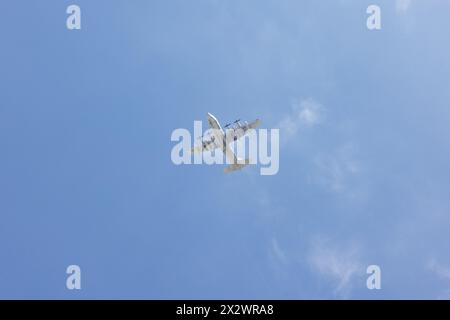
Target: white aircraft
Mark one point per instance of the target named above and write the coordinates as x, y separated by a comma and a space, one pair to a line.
222, 139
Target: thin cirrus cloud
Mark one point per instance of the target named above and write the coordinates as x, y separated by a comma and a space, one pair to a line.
443, 273
438, 269
337, 170
276, 253
340, 266
304, 113
402, 5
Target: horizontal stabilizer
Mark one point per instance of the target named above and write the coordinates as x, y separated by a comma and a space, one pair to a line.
236, 166
255, 124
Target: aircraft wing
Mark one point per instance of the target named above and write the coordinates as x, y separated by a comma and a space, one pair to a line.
241, 131
213, 123
254, 124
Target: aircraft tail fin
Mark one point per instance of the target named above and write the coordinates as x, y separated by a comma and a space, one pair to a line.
236, 166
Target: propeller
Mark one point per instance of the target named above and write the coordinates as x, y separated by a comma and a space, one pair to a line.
229, 124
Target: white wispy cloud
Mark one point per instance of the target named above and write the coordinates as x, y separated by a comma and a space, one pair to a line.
441, 271
304, 113
402, 5
339, 265
276, 253
337, 170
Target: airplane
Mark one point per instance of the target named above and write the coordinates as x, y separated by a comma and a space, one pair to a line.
221, 138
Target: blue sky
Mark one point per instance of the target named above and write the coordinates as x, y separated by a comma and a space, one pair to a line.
86, 176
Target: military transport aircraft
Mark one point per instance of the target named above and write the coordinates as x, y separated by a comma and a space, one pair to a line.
221, 139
